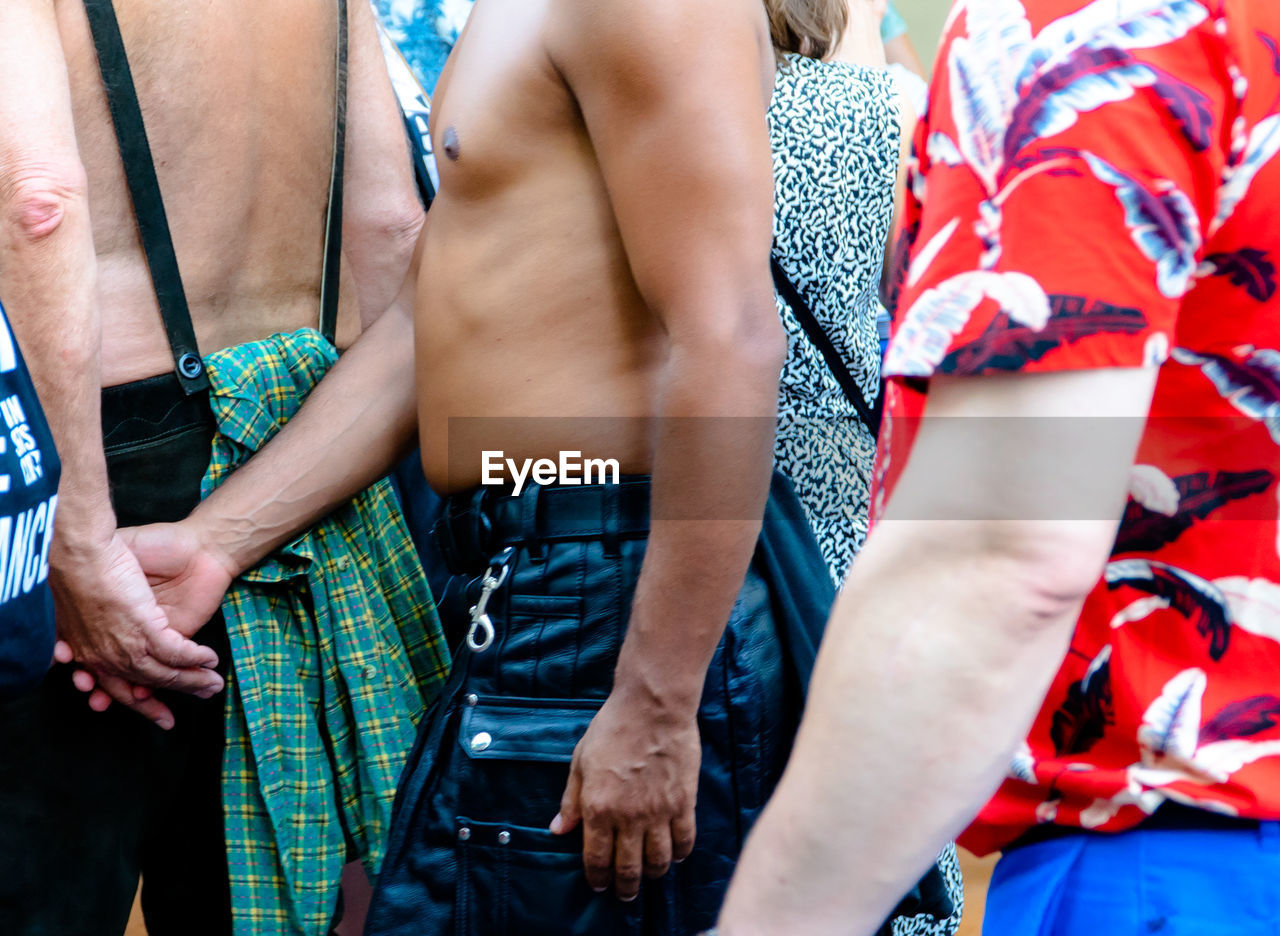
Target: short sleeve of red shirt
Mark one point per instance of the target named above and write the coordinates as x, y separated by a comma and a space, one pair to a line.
1066, 174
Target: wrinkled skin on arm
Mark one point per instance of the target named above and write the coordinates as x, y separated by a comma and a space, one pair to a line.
107, 616
946, 637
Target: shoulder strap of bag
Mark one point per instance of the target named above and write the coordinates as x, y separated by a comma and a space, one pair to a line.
331, 276
870, 415
144, 189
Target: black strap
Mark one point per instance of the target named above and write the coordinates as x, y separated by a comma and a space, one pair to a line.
870, 415
144, 189
331, 276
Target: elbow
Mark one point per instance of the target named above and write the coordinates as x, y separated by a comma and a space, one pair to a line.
744, 336
1050, 566
764, 339
38, 200
394, 228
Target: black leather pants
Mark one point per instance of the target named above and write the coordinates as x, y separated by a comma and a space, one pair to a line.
470, 853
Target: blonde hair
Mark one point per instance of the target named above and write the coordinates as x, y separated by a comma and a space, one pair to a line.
808, 27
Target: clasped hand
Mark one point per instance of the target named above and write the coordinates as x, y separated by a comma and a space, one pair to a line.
126, 615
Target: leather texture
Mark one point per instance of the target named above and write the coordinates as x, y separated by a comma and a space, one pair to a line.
470, 853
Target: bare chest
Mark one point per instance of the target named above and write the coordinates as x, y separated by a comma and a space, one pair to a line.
500, 108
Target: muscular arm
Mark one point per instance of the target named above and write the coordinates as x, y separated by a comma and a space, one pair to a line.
673, 96
48, 279
947, 635
382, 213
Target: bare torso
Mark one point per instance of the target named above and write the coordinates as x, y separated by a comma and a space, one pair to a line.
238, 100
526, 304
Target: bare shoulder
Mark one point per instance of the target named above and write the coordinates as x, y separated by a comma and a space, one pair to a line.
657, 37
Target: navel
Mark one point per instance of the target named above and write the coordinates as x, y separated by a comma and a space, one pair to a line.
452, 147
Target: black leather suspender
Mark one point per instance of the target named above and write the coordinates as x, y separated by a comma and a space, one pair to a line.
148, 203
329, 279
144, 188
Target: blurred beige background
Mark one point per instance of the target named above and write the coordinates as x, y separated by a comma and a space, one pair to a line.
925, 17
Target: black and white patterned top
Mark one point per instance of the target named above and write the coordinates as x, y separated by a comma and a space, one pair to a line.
835, 131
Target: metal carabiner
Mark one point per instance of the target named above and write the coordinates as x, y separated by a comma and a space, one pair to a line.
480, 621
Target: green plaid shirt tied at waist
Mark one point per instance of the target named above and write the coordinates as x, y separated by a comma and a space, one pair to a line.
336, 650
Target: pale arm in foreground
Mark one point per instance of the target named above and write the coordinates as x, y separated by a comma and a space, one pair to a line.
943, 643
679, 130
382, 213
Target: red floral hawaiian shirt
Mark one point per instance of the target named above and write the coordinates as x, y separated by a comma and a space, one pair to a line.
1097, 186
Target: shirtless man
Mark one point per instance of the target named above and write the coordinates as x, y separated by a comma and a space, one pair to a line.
238, 98
596, 280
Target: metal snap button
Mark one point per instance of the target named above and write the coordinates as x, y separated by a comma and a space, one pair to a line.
481, 741
464, 834
472, 698
190, 366
504, 837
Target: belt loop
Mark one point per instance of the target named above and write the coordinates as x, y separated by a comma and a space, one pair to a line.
481, 530
529, 522
446, 540
611, 521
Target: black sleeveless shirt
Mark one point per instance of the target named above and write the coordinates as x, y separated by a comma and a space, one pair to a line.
29, 472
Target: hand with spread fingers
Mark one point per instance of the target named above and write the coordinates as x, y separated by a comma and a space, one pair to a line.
633, 785
110, 623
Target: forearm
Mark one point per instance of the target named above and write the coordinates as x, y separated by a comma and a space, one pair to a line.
48, 271
712, 463
913, 716
48, 282
357, 423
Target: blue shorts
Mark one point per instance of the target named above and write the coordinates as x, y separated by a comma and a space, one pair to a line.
1170, 882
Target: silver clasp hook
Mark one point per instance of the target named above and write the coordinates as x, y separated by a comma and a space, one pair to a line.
481, 635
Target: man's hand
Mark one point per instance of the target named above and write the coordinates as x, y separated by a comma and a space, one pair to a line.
633, 785
188, 583
110, 623
188, 580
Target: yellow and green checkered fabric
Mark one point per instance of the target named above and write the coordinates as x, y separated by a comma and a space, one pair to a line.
336, 651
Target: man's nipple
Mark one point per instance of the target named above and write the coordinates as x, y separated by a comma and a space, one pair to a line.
452, 146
